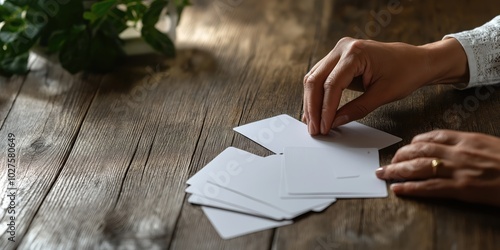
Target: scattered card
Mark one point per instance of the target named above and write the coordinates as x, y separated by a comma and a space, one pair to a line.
261, 182
235, 199
200, 200
231, 224
222, 167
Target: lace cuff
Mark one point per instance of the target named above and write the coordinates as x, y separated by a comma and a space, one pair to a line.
482, 46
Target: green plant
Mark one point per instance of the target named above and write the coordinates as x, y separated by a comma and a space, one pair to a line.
83, 38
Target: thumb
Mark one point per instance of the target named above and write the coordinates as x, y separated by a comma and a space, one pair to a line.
357, 108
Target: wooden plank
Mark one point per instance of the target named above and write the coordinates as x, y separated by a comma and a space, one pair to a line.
123, 183
10, 91
117, 139
45, 119
267, 84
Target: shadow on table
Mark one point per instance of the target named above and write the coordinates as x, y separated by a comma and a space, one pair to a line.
461, 210
149, 70
441, 107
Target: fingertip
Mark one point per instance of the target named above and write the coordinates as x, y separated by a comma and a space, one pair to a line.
315, 130
339, 121
397, 188
312, 128
418, 138
324, 127
394, 160
380, 173
306, 76
397, 156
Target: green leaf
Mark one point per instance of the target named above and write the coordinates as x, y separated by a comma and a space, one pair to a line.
8, 37
181, 4
7, 10
118, 20
158, 40
111, 25
152, 15
14, 25
74, 54
15, 40
107, 19
19, 45
35, 23
100, 9
14, 65
136, 10
56, 41
77, 29
90, 16
68, 14
105, 53
20, 3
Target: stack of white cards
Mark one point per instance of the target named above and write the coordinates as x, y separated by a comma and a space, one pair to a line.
242, 193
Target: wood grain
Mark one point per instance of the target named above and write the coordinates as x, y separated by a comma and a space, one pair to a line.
45, 119
103, 160
268, 79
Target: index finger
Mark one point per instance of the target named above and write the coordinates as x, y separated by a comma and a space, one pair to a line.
313, 91
341, 76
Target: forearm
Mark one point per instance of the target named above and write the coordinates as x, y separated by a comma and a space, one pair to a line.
446, 62
466, 59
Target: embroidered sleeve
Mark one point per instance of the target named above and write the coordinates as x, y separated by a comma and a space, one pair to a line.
482, 46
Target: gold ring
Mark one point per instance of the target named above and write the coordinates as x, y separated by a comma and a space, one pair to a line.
435, 164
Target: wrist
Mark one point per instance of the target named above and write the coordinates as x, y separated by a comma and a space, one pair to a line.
446, 62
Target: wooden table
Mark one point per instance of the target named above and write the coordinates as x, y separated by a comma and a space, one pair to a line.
102, 160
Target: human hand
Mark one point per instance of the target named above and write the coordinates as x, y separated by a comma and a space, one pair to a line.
470, 169
388, 72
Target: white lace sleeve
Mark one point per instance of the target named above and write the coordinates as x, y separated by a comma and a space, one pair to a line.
482, 46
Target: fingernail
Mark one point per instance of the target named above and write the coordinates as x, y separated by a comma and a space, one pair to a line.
396, 187
341, 120
379, 172
314, 128
324, 130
